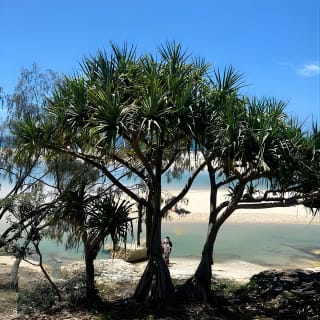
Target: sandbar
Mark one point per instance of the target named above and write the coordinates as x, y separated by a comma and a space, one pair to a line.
198, 207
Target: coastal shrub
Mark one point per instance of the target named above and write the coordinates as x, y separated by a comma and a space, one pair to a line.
75, 288
77, 296
41, 297
226, 286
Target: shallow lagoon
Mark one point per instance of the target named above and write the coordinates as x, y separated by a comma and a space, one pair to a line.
266, 244
273, 245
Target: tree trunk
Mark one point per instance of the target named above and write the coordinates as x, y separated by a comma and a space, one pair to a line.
19, 254
14, 284
149, 218
149, 223
198, 288
155, 284
139, 227
90, 256
53, 285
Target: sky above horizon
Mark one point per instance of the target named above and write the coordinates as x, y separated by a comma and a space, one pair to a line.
275, 44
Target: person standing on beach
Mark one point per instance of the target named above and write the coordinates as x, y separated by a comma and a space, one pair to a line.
166, 249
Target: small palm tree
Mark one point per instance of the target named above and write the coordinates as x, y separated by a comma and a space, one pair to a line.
89, 217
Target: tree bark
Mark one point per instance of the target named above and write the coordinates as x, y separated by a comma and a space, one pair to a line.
198, 287
14, 284
53, 285
155, 284
139, 227
90, 256
149, 222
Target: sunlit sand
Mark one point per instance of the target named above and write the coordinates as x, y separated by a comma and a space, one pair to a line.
198, 207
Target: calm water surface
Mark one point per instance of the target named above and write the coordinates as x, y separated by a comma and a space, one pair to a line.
274, 245
266, 244
281, 245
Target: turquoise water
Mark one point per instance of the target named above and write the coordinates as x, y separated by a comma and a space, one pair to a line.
267, 244
274, 245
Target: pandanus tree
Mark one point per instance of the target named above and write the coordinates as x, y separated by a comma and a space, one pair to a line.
254, 142
216, 138
308, 175
144, 115
88, 215
133, 112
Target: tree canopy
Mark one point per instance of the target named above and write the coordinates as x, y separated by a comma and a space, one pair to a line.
136, 119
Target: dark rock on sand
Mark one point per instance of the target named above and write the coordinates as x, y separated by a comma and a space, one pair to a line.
289, 294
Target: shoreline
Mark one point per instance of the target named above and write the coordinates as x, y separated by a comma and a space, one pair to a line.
198, 207
238, 270
120, 271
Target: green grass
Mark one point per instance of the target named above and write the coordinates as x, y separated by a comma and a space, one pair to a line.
227, 286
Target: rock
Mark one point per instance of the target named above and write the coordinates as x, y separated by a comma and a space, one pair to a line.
109, 270
130, 253
288, 294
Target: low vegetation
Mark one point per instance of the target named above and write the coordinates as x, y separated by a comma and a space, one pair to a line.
277, 295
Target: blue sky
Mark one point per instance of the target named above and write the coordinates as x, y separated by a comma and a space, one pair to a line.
274, 43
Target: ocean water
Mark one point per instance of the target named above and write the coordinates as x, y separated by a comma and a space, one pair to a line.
200, 183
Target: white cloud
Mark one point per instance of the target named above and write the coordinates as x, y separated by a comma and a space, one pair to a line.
309, 70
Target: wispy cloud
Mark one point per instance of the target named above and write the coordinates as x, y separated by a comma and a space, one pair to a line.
309, 70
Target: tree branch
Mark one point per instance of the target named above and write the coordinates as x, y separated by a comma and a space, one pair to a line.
184, 190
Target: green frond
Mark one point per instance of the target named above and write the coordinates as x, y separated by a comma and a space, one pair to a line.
230, 81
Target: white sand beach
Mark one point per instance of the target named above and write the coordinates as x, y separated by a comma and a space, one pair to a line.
119, 271
198, 207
